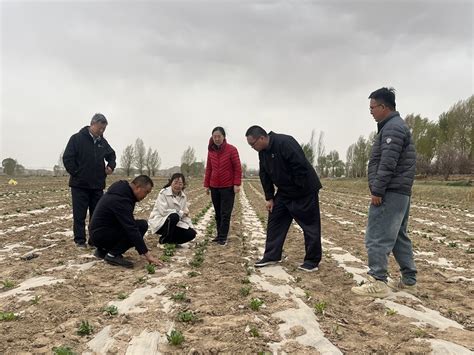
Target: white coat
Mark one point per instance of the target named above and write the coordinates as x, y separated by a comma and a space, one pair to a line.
166, 204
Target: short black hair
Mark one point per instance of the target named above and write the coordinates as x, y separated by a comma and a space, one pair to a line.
256, 131
385, 96
220, 129
99, 118
142, 181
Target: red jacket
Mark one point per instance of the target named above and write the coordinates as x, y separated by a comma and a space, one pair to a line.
223, 166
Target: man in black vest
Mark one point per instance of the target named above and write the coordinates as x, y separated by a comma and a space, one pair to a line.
84, 159
284, 165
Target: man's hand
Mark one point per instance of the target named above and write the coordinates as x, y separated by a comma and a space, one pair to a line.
269, 205
236, 189
376, 200
153, 260
108, 170
207, 190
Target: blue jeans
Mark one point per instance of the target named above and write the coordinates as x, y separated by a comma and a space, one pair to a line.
386, 233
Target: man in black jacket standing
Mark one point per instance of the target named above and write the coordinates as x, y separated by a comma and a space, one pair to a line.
284, 165
114, 230
84, 159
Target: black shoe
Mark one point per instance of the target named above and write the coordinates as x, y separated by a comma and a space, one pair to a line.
215, 240
118, 260
221, 242
100, 253
308, 267
266, 262
81, 245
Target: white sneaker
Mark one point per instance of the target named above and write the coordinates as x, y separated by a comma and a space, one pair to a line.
372, 288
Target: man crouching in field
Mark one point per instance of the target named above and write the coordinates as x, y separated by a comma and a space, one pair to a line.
113, 229
391, 174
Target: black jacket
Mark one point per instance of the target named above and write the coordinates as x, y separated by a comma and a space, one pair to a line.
393, 158
84, 160
284, 165
115, 210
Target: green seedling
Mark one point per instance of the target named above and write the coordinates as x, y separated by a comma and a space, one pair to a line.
193, 273
111, 310
245, 291
452, 244
85, 328
165, 258
179, 296
320, 307
249, 271
420, 333
246, 280
307, 294
390, 312
255, 304
7, 316
186, 316
150, 268
35, 300
8, 284
63, 350
140, 280
254, 332
169, 249
298, 279
122, 296
175, 337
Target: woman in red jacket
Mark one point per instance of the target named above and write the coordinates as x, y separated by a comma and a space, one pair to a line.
223, 179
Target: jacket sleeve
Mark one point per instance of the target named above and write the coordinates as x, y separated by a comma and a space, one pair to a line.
267, 182
236, 166
124, 215
391, 145
297, 162
207, 176
110, 157
69, 157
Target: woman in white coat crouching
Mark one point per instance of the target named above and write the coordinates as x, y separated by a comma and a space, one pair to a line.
170, 216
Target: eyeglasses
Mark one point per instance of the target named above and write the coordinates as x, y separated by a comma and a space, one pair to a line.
371, 108
254, 142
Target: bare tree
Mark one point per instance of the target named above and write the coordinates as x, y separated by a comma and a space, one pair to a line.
187, 160
140, 155
155, 162
127, 159
244, 170
320, 153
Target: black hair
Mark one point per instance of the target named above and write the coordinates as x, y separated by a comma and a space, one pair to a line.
174, 177
142, 181
220, 129
99, 118
256, 131
385, 96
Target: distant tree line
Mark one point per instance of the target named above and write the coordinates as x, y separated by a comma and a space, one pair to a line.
136, 158
443, 148
12, 168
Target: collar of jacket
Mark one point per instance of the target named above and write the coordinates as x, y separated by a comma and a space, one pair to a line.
213, 147
386, 119
270, 140
169, 192
85, 131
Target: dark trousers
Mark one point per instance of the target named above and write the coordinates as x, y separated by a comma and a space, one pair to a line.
172, 234
223, 201
114, 240
305, 211
83, 200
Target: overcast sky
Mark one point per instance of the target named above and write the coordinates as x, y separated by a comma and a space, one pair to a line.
168, 72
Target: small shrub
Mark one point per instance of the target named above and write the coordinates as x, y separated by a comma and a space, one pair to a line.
85, 328
63, 350
170, 249
165, 258
179, 296
186, 316
175, 337
111, 310
150, 268
122, 296
245, 291
7, 316
8, 284
246, 280
255, 304
320, 307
